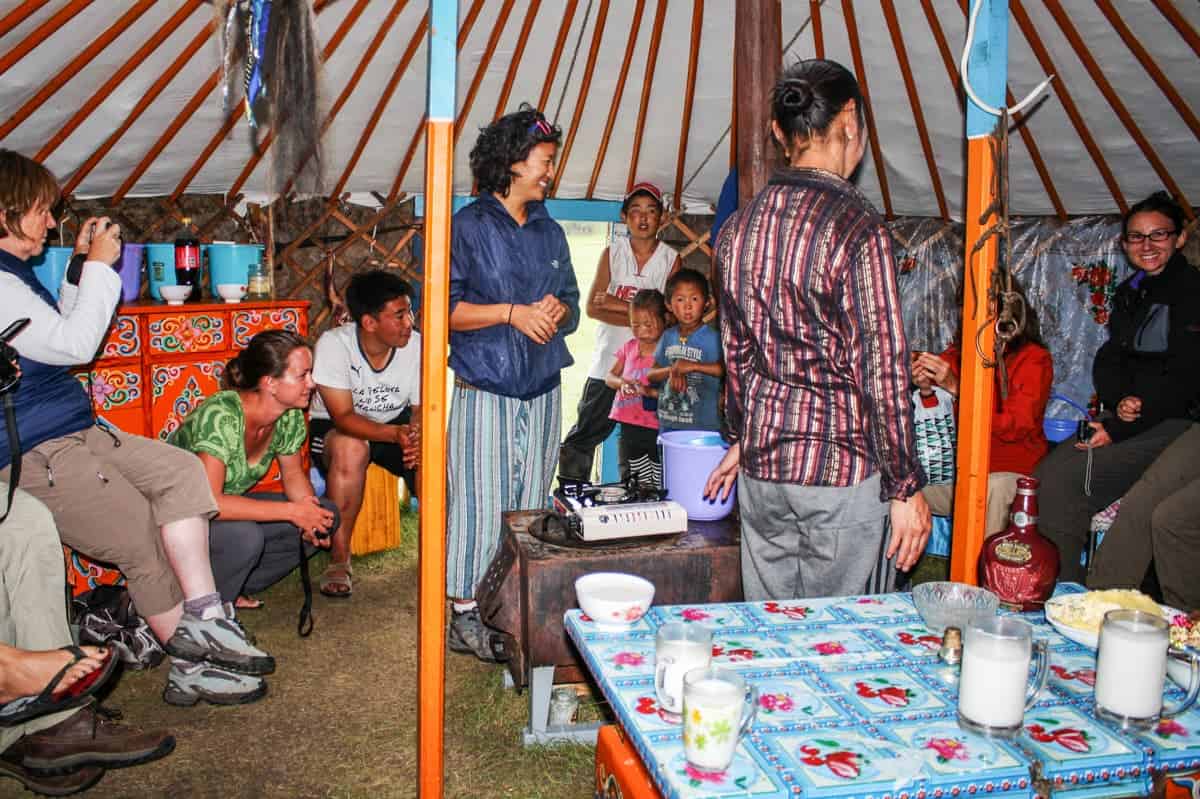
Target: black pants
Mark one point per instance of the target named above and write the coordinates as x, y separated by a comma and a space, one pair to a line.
638, 449
384, 453
248, 557
591, 428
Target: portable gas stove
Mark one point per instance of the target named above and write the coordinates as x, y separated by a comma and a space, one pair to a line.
612, 511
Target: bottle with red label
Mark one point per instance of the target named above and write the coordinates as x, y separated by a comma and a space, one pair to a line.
1020, 565
187, 267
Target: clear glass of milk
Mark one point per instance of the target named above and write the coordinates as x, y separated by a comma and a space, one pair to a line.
1131, 669
678, 649
718, 708
994, 690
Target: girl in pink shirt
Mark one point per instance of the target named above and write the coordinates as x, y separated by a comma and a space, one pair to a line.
635, 405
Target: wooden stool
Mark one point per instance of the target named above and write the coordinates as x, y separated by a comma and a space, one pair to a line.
378, 524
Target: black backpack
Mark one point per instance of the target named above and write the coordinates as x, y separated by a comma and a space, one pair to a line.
106, 616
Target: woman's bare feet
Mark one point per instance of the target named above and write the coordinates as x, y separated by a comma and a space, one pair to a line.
25, 673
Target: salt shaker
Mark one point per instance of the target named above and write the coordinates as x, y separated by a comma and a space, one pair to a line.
563, 704
951, 651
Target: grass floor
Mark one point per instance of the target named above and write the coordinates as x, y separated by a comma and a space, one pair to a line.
340, 718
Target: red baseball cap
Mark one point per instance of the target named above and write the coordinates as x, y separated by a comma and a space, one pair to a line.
645, 187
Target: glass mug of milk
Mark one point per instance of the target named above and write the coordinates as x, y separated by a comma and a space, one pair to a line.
678, 648
994, 689
1131, 669
718, 709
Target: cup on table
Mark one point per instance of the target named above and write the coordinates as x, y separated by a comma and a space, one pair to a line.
994, 689
1131, 669
678, 648
718, 708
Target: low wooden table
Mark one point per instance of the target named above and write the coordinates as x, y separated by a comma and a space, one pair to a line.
530, 584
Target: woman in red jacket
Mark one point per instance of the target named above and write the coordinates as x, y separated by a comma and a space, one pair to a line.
1018, 438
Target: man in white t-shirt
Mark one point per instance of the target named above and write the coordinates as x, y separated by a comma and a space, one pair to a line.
367, 406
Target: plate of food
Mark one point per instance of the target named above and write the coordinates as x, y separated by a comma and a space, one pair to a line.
1077, 617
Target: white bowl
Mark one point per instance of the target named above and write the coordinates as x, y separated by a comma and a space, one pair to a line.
231, 292
614, 600
175, 295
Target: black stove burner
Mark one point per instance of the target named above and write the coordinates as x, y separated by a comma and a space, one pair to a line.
591, 494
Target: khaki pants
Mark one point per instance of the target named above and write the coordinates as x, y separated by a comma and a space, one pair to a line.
1002, 487
33, 612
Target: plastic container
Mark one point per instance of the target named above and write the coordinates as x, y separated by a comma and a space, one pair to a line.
51, 266
232, 263
160, 267
689, 456
1057, 429
130, 268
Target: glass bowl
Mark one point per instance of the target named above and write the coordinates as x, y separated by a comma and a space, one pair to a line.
946, 604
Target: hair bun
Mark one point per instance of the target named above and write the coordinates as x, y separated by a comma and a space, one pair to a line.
797, 95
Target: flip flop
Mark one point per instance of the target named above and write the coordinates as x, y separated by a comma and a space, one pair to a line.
337, 574
24, 708
244, 602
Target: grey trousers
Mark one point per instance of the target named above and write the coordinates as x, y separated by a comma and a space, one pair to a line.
1159, 521
1064, 508
33, 612
248, 557
812, 541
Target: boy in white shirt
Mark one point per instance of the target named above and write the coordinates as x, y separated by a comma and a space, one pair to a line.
367, 406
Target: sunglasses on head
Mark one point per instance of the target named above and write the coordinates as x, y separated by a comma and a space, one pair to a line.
540, 125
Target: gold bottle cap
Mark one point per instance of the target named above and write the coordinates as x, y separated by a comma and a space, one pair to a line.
951, 651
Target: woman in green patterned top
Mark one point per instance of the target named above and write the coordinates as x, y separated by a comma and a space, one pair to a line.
237, 433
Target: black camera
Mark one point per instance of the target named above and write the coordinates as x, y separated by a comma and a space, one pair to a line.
1084, 430
9, 372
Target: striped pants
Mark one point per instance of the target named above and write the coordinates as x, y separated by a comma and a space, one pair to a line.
502, 456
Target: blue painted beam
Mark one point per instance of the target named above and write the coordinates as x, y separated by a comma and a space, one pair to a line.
987, 68
574, 210
443, 55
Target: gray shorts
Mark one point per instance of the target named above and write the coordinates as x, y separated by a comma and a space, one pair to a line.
109, 501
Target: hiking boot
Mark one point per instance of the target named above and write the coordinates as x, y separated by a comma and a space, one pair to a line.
189, 683
88, 738
470, 636
219, 640
65, 785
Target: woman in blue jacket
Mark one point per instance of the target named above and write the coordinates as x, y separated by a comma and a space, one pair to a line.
513, 301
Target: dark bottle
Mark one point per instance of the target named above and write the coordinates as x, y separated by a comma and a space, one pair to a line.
187, 267
1020, 565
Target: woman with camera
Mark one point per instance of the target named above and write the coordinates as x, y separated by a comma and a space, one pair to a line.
134, 502
1147, 373
238, 433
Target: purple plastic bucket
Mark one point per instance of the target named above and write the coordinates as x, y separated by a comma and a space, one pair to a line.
130, 269
689, 456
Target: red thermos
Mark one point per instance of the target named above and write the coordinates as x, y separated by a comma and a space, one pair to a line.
1020, 565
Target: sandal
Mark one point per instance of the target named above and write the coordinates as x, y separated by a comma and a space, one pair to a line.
24, 708
335, 578
244, 602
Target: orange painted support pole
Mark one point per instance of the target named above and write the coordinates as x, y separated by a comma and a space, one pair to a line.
977, 384
435, 330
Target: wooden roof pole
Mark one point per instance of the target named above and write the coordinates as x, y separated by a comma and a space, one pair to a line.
484, 62
384, 99
1114, 102
988, 73
585, 86
758, 53
74, 66
1064, 95
117, 78
689, 97
463, 33
1152, 68
860, 69
1181, 24
140, 107
647, 83
41, 33
814, 13
236, 113
559, 42
914, 100
19, 15
515, 61
439, 196
615, 106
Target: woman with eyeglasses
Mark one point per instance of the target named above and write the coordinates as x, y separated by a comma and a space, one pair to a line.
513, 301
1145, 374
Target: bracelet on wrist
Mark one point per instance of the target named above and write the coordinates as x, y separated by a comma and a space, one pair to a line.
508, 321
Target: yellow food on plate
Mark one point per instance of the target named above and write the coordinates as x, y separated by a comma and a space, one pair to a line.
1086, 611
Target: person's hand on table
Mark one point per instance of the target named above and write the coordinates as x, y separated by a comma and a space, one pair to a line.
1129, 409
720, 481
314, 521
911, 523
1099, 437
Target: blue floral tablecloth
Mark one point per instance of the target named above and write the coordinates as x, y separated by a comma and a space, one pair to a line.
854, 702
